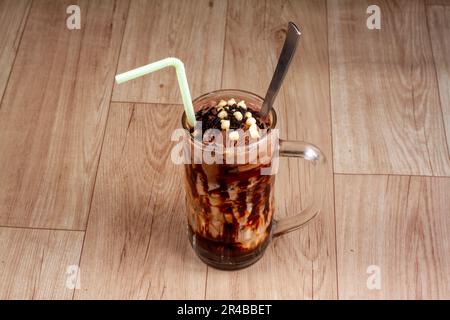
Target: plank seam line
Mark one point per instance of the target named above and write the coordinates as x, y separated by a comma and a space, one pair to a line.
145, 103
17, 52
436, 77
414, 63
102, 143
224, 43
39, 228
332, 152
389, 174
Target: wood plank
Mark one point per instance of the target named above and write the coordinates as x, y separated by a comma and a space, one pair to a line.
34, 263
54, 111
136, 243
301, 264
384, 94
192, 30
439, 24
13, 15
399, 224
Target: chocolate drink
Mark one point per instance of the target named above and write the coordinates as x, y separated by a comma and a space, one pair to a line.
230, 205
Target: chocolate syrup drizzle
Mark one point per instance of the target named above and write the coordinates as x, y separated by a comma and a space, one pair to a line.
248, 183
234, 196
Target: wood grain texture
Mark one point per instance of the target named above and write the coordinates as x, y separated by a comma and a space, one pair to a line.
53, 114
192, 30
400, 224
438, 2
384, 94
439, 24
301, 264
390, 110
136, 244
34, 263
13, 15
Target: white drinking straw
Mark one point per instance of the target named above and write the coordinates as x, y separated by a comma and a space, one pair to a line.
182, 81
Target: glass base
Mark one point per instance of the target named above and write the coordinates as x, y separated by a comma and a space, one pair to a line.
225, 257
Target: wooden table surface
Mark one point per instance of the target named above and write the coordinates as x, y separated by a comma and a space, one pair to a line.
86, 178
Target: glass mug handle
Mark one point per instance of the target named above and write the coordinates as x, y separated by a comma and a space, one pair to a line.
312, 154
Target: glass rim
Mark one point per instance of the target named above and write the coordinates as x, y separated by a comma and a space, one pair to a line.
228, 90
221, 91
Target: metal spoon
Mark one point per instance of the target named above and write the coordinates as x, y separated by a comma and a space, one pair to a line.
289, 47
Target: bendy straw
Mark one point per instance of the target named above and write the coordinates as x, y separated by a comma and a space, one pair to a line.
182, 81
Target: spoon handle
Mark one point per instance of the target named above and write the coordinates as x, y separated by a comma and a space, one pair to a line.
289, 47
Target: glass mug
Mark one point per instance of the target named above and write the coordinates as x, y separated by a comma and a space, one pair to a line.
230, 205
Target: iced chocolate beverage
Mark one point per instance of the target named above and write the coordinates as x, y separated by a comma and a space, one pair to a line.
231, 157
230, 203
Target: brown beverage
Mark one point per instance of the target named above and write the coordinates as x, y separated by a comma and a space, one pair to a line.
230, 205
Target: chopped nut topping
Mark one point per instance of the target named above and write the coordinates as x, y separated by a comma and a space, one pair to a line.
238, 115
231, 102
222, 114
229, 116
225, 124
222, 103
242, 104
250, 121
234, 136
